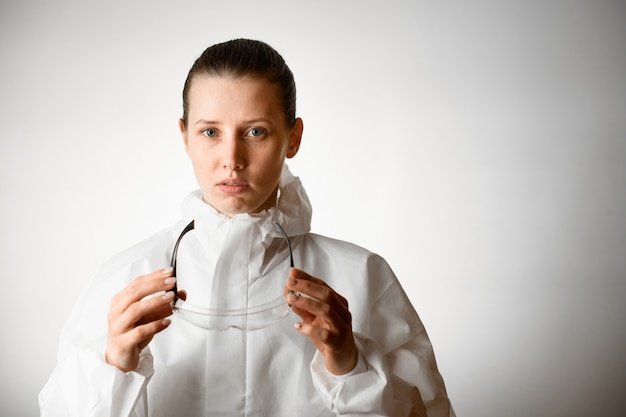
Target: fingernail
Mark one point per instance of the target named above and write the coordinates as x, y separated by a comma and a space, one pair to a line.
167, 270
297, 326
168, 295
170, 280
166, 322
292, 297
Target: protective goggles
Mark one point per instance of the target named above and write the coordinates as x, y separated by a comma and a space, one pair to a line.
248, 318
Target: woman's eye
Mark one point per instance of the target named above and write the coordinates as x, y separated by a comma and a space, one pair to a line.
211, 133
256, 131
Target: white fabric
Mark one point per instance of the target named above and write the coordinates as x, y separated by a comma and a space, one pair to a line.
274, 371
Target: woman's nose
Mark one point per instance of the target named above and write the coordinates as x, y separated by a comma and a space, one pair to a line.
233, 154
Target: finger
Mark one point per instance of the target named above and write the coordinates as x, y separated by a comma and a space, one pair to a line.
296, 273
309, 309
316, 334
141, 287
303, 313
123, 351
147, 309
339, 351
302, 283
146, 332
159, 312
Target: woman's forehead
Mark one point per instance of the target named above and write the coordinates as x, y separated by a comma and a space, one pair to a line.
224, 95
207, 84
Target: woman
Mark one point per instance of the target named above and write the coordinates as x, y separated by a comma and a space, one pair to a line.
250, 334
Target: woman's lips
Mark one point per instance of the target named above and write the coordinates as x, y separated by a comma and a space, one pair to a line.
232, 186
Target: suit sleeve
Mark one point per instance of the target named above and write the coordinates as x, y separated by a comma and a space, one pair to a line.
396, 374
83, 384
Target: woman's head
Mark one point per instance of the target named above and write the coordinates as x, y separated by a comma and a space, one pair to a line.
245, 58
239, 125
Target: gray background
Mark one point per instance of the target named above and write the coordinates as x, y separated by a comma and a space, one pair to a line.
478, 146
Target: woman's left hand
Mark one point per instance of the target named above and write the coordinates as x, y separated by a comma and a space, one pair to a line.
326, 320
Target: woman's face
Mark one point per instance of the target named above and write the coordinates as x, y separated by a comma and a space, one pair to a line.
237, 139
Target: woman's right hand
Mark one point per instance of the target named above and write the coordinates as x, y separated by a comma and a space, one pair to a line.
134, 319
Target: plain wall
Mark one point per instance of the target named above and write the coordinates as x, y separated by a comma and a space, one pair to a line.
480, 147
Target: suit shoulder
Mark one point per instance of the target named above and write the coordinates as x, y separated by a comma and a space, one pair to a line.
153, 250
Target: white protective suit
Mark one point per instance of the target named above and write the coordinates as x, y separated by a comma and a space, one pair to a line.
270, 372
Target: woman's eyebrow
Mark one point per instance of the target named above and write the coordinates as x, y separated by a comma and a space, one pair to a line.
204, 122
246, 122
257, 120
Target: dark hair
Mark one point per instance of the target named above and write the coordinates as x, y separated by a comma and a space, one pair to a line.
245, 57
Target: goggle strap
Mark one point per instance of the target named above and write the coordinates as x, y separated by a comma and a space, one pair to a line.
189, 227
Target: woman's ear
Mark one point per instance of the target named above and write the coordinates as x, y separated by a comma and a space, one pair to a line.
295, 138
183, 132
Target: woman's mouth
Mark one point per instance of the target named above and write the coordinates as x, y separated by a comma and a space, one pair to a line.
232, 186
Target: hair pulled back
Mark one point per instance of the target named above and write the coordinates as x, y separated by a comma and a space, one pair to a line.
241, 58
